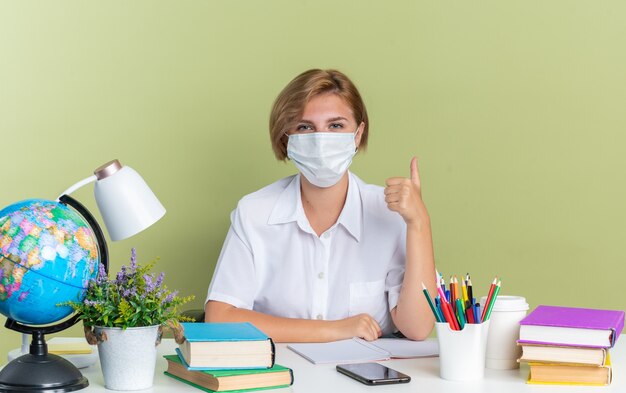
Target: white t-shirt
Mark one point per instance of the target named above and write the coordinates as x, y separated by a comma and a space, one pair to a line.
273, 262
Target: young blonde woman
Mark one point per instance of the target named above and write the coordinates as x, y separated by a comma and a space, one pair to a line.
321, 255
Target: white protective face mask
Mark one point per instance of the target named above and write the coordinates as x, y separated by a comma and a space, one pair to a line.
322, 157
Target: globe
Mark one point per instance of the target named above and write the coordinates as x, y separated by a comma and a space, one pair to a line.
48, 255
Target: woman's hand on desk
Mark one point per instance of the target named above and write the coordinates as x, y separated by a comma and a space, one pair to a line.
296, 330
362, 325
405, 197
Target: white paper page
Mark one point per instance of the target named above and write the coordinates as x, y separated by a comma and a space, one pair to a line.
344, 351
403, 348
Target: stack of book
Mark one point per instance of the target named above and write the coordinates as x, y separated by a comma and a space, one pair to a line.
227, 356
569, 346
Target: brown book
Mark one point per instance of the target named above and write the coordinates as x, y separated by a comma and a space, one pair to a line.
223, 380
570, 374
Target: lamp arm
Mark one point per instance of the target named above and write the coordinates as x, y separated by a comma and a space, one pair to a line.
78, 185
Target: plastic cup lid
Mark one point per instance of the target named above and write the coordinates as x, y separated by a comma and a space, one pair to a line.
507, 303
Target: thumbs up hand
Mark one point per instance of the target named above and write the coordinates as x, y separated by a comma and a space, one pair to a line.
405, 197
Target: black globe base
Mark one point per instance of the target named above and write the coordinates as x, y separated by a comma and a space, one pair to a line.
41, 373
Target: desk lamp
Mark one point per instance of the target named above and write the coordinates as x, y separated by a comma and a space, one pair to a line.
127, 206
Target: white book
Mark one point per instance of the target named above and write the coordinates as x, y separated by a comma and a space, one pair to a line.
357, 350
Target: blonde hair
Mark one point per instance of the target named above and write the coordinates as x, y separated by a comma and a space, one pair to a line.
290, 103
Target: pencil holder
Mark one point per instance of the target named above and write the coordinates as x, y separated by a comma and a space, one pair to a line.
462, 352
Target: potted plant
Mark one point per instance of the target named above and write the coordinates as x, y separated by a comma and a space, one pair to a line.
125, 316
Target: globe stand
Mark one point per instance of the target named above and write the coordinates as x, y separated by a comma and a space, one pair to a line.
39, 371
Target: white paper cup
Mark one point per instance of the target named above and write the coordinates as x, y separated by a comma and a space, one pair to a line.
462, 352
502, 348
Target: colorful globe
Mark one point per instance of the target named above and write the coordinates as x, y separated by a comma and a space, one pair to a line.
48, 255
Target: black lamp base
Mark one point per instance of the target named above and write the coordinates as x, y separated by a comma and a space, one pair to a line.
44, 374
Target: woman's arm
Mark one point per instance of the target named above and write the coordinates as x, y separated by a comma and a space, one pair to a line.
412, 315
295, 330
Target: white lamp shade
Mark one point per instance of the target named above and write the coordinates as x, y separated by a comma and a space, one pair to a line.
127, 204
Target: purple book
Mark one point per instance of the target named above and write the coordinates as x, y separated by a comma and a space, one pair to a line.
554, 325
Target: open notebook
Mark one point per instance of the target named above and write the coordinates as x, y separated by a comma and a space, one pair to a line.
357, 350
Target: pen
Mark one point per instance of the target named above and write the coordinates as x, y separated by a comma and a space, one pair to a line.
438, 308
441, 315
430, 302
469, 312
459, 311
477, 312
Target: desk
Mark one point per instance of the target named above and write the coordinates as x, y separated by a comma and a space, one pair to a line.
424, 374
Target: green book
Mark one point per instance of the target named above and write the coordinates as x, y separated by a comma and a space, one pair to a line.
229, 380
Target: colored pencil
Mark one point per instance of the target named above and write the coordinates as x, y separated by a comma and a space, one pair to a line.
430, 302
470, 292
440, 280
454, 319
491, 289
452, 294
493, 300
448, 313
445, 308
441, 292
464, 289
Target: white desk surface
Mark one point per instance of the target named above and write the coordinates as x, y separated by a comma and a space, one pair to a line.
424, 374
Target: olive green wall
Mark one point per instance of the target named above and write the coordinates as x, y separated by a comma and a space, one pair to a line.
515, 109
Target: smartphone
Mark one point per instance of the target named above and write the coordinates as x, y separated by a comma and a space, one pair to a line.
373, 373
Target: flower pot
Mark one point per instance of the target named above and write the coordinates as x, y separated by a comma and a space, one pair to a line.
127, 356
